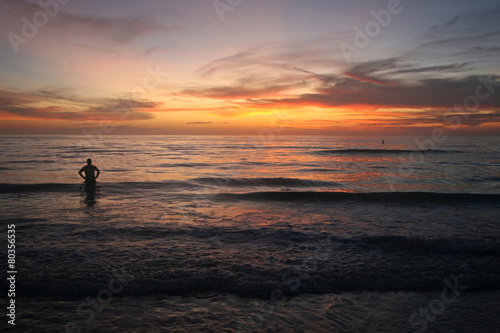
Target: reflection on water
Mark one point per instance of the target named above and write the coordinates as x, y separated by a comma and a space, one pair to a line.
191, 215
90, 193
459, 165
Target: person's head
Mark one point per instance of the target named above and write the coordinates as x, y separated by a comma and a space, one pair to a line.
89, 161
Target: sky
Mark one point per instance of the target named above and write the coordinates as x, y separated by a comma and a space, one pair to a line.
315, 67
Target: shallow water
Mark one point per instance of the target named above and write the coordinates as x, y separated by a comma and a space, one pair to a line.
343, 313
201, 228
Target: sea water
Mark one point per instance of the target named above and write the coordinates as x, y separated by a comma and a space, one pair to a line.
252, 234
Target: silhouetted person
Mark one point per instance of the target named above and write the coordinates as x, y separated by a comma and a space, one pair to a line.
91, 174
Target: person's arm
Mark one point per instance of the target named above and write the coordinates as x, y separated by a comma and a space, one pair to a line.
80, 173
97, 172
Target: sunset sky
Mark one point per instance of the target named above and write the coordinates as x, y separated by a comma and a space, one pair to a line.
237, 67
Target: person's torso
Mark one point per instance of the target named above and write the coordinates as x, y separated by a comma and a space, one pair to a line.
89, 171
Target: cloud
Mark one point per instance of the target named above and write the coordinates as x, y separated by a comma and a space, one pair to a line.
200, 123
399, 82
276, 69
24, 105
365, 71
344, 91
59, 113
95, 48
285, 57
464, 40
120, 30
434, 69
108, 29
478, 119
470, 29
236, 92
387, 71
478, 20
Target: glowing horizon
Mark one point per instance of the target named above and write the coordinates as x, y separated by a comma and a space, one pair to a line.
204, 67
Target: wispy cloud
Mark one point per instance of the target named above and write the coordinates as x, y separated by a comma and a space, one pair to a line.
457, 67
366, 71
392, 82
470, 29
236, 92
468, 22
24, 105
441, 93
120, 30
284, 57
109, 29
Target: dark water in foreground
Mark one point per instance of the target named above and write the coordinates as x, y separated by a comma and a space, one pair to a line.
214, 234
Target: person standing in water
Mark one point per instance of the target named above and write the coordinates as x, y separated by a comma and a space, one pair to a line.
91, 174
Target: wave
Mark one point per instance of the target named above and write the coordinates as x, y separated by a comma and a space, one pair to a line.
364, 151
441, 246
258, 182
47, 187
322, 268
301, 262
311, 241
184, 165
184, 283
112, 188
220, 189
188, 184
402, 197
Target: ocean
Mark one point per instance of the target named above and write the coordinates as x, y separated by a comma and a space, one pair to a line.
252, 234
